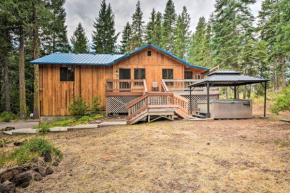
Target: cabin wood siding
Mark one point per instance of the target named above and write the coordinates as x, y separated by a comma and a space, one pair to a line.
90, 81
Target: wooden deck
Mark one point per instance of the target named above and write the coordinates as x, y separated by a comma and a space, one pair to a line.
153, 106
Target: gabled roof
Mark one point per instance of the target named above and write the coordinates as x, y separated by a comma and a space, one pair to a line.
227, 78
99, 59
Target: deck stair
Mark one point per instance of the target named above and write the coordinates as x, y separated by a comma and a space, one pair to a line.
156, 105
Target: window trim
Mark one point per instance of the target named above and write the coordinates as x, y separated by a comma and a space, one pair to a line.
197, 75
191, 74
74, 74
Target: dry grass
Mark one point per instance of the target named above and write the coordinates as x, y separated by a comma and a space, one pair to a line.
180, 156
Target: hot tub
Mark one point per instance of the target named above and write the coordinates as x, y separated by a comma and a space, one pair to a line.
227, 108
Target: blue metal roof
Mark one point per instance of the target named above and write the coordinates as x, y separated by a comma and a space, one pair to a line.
77, 59
99, 59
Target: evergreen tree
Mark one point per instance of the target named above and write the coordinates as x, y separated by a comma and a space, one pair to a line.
126, 39
232, 24
169, 26
196, 55
274, 19
157, 31
150, 27
182, 34
79, 40
137, 28
54, 30
104, 37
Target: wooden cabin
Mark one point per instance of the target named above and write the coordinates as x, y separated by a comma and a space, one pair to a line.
119, 80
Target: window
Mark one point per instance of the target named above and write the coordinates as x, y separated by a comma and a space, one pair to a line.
187, 75
197, 76
67, 74
139, 73
149, 53
167, 74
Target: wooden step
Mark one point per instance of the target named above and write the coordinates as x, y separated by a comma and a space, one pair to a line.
138, 117
181, 114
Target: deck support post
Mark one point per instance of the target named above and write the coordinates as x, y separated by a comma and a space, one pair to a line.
265, 99
190, 107
208, 113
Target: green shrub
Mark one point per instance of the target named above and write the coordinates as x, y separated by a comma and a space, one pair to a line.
282, 102
78, 106
7, 116
96, 102
35, 147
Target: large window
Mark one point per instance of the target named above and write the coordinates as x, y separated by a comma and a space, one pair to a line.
67, 74
187, 75
167, 73
139, 73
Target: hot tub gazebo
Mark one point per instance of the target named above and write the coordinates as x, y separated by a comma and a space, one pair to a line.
227, 78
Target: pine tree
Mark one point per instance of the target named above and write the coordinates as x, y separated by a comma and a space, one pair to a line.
157, 31
182, 34
274, 19
54, 34
150, 27
104, 37
196, 55
232, 24
169, 26
126, 39
79, 40
137, 28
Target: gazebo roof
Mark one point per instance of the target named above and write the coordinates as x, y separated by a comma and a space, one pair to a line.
227, 78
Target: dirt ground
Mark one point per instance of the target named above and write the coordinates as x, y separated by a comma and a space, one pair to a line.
181, 156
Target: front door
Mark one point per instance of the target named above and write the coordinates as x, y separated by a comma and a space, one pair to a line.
125, 74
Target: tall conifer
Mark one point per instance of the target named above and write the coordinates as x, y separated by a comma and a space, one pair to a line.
169, 26
137, 28
79, 40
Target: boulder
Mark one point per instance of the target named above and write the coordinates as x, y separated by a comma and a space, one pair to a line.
41, 170
8, 174
47, 156
49, 171
7, 187
36, 176
55, 164
22, 180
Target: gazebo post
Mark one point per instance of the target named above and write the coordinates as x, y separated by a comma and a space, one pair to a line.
208, 113
265, 99
190, 107
235, 92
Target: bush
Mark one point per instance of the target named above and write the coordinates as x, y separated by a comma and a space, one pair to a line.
282, 102
96, 102
35, 147
7, 116
78, 106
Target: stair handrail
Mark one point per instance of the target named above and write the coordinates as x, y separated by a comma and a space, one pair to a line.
164, 86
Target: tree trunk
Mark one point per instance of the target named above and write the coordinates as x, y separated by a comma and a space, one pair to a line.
275, 77
245, 92
283, 72
6, 84
36, 67
22, 94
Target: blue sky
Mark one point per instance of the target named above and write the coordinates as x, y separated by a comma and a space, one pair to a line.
85, 11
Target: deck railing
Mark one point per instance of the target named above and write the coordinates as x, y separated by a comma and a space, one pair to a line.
116, 87
156, 100
181, 86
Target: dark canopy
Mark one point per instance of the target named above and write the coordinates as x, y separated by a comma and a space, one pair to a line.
222, 78
227, 78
